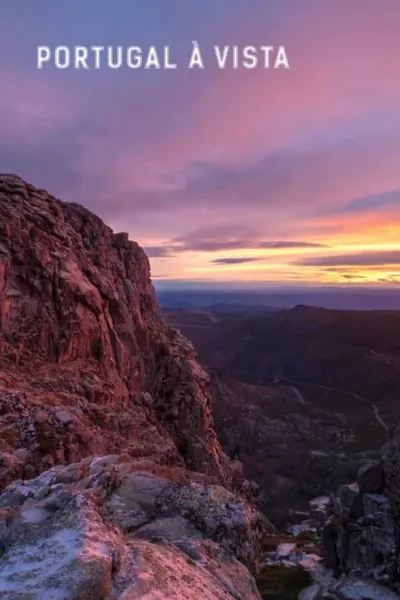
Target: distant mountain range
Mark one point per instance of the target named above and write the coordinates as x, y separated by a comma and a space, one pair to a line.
225, 308
256, 301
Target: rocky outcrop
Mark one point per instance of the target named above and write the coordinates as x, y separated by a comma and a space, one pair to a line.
110, 528
360, 536
88, 368
391, 467
87, 365
359, 542
363, 531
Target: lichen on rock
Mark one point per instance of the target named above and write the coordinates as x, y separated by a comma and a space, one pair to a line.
111, 529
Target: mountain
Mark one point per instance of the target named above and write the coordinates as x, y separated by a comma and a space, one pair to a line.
261, 298
301, 396
107, 441
217, 307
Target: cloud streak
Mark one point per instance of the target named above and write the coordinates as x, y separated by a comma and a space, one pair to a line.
234, 261
364, 259
213, 241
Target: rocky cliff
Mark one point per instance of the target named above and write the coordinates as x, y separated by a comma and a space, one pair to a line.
87, 364
89, 368
361, 535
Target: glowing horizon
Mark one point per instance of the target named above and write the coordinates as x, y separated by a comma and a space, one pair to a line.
285, 177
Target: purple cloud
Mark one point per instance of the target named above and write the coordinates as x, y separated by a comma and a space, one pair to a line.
361, 259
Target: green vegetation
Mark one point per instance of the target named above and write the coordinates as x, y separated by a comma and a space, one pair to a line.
282, 583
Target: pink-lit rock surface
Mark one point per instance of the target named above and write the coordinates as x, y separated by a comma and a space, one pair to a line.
114, 483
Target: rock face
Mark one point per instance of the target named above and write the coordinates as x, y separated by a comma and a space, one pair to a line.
89, 368
87, 365
360, 536
371, 478
364, 534
109, 529
391, 466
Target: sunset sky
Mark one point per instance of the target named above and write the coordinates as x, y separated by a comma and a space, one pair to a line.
287, 177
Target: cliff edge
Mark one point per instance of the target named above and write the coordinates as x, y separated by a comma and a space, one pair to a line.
88, 368
87, 364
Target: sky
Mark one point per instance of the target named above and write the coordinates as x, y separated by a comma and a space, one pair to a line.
284, 177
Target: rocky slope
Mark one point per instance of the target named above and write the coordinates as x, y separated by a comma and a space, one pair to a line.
89, 368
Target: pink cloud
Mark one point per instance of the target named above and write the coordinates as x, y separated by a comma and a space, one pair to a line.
343, 66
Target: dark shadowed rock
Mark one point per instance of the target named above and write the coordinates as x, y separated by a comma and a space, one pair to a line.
359, 537
371, 478
391, 465
329, 544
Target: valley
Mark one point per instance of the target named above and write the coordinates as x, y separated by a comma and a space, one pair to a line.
301, 396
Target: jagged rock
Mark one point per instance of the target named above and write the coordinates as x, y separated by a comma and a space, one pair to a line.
391, 465
72, 540
360, 535
87, 364
308, 526
371, 478
285, 551
89, 368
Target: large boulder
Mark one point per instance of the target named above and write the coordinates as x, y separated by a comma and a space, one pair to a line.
359, 536
110, 528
